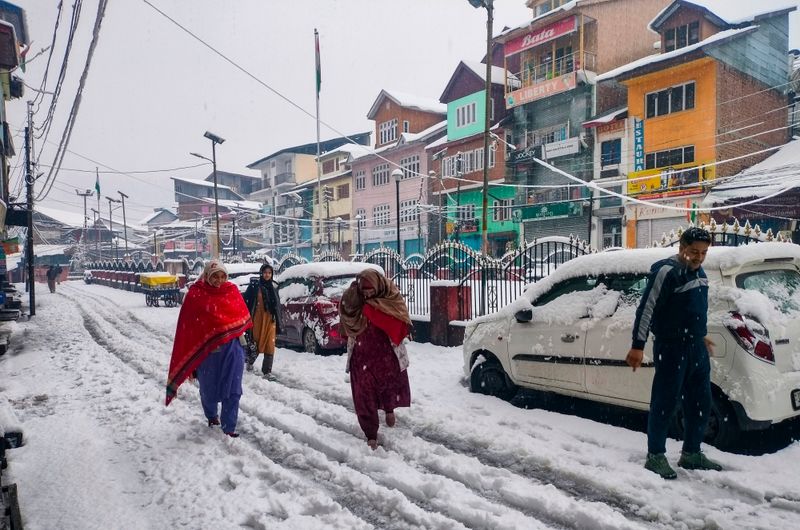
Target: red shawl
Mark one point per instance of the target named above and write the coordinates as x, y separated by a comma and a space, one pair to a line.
209, 318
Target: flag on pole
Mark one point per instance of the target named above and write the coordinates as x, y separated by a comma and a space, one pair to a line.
317, 62
97, 183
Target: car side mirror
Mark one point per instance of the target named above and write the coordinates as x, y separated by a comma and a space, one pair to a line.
524, 315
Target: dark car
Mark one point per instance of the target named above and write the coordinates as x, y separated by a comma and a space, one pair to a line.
310, 296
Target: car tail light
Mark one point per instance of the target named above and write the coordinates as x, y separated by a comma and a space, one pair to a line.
753, 338
325, 307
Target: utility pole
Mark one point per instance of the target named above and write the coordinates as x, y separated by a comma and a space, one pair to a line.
95, 217
124, 220
87, 193
29, 202
111, 223
195, 237
233, 235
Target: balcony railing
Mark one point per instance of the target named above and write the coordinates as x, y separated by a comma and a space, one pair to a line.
534, 74
284, 178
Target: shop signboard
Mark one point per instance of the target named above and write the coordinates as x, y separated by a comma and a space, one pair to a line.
542, 212
673, 181
534, 38
638, 144
570, 146
541, 90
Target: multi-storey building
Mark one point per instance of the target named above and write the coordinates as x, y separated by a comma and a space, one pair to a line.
404, 126
559, 53
288, 213
711, 104
458, 161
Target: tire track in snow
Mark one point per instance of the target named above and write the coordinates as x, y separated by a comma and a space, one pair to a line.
416, 512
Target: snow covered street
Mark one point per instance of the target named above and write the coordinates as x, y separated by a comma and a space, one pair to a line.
85, 379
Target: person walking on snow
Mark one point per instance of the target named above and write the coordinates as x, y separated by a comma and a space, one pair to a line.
208, 343
262, 300
675, 306
52, 273
374, 316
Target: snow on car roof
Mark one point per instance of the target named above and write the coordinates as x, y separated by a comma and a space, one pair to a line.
242, 268
329, 268
639, 261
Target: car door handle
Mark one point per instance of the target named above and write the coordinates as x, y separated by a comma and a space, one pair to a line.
568, 337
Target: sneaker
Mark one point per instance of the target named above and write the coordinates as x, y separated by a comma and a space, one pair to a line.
213, 421
698, 461
659, 465
233, 434
249, 367
269, 377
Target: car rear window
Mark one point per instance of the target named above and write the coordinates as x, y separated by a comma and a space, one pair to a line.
782, 286
335, 287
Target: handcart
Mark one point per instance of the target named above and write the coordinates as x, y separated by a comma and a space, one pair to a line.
159, 286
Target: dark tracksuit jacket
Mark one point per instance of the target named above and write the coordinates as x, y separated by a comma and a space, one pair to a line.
674, 305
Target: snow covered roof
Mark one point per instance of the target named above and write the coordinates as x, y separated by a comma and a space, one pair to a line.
325, 269
50, 250
202, 183
406, 138
608, 117
72, 219
715, 39
156, 213
236, 205
779, 171
498, 73
726, 13
504, 36
408, 101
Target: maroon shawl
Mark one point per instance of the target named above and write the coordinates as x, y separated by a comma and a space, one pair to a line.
209, 317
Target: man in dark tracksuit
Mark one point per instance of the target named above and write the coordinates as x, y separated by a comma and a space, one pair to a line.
674, 306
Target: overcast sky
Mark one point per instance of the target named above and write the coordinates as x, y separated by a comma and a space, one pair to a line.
153, 90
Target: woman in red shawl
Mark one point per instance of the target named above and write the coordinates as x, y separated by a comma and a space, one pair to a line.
213, 317
375, 318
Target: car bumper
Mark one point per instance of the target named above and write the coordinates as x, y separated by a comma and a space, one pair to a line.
760, 400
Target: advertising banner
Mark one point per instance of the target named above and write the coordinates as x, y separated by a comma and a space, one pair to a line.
673, 181
541, 35
541, 90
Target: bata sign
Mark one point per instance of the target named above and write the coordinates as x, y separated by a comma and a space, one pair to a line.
540, 36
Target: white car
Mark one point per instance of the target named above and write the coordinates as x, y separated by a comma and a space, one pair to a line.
570, 332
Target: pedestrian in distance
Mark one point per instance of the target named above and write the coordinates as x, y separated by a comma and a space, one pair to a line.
209, 344
374, 316
674, 306
261, 297
52, 274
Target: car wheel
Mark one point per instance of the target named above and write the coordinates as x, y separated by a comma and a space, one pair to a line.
310, 344
489, 378
723, 428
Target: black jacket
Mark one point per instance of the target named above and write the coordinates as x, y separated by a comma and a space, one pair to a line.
674, 304
269, 293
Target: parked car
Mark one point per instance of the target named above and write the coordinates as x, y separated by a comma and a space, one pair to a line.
310, 294
570, 332
241, 273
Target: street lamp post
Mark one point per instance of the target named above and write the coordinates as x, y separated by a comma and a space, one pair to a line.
97, 248
489, 5
87, 193
339, 235
398, 176
124, 220
111, 225
358, 228
214, 141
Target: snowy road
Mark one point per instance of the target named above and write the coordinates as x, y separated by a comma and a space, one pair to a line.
86, 378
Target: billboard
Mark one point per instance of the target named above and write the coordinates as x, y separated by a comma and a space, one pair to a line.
673, 181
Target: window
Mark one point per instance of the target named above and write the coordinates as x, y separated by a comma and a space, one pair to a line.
388, 131
408, 211
669, 157
465, 114
681, 36
673, 99
380, 215
547, 135
406, 127
380, 175
567, 286
610, 152
361, 180
465, 212
343, 191
362, 221
501, 210
410, 166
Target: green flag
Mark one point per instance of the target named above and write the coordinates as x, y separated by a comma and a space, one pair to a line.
97, 184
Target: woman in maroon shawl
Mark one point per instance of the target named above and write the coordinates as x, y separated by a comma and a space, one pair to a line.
375, 318
213, 317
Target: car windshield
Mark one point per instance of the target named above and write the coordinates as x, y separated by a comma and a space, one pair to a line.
782, 286
334, 287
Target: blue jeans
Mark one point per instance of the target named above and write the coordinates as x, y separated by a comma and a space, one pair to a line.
683, 372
